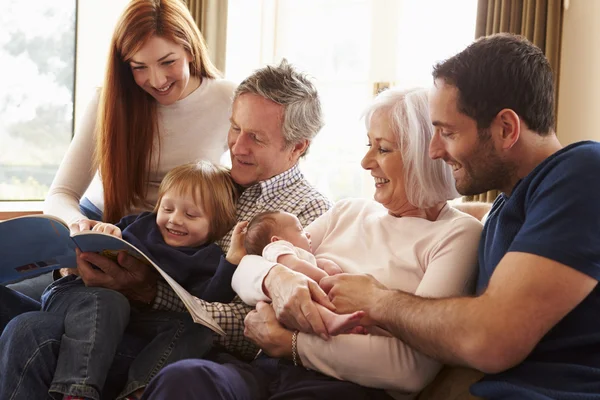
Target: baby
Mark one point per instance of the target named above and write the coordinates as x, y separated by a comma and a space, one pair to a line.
279, 237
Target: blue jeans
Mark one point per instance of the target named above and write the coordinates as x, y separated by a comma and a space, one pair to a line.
94, 321
227, 378
29, 348
164, 338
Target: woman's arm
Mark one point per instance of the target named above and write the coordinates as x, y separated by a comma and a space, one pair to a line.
75, 171
376, 361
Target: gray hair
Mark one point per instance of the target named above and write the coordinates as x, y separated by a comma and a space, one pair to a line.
428, 182
282, 84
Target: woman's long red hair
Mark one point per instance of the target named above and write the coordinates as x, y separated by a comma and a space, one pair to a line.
127, 122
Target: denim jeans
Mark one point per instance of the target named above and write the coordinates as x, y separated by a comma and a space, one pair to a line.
166, 337
29, 348
94, 322
33, 287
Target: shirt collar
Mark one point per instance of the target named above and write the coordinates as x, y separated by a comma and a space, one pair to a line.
272, 186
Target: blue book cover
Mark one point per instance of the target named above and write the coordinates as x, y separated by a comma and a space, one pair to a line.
33, 245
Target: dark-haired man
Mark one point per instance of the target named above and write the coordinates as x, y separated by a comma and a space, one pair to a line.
533, 326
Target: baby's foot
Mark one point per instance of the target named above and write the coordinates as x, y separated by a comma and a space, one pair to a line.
337, 324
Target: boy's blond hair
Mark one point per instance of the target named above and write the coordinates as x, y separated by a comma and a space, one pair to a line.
215, 187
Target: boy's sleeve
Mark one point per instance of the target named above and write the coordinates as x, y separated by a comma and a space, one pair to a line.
128, 220
218, 287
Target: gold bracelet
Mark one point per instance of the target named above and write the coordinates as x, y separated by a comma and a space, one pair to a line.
295, 355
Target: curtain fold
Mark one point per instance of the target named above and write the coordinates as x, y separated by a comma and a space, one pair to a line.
211, 18
540, 21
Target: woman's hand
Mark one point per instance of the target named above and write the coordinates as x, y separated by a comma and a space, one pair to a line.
353, 292
130, 276
83, 224
292, 295
261, 327
236, 249
107, 228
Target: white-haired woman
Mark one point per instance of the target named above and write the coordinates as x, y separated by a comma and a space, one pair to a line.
409, 238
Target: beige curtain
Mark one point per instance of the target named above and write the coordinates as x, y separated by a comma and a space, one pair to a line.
211, 17
540, 21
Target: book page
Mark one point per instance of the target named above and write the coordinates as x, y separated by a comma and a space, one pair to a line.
109, 246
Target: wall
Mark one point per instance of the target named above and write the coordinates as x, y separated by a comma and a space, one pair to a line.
578, 97
579, 79
96, 20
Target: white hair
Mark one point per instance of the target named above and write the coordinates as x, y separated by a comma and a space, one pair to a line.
428, 182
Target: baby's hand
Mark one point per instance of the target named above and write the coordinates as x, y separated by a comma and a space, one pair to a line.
329, 266
109, 229
236, 249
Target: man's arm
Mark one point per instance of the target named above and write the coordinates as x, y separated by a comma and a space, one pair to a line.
527, 295
230, 316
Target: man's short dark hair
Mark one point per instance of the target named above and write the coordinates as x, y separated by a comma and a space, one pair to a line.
502, 71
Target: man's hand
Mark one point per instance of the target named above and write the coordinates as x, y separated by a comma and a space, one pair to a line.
237, 250
107, 228
350, 292
83, 224
131, 277
261, 327
292, 295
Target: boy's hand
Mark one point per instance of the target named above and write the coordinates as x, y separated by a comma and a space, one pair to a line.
82, 224
109, 229
329, 266
237, 250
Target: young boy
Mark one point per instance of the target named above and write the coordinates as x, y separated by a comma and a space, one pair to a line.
196, 206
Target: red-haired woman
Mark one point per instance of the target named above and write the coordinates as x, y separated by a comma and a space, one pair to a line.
161, 105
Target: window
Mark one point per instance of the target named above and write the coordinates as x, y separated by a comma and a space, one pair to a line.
37, 49
346, 46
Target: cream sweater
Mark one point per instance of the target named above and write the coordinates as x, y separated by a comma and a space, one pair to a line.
193, 128
430, 259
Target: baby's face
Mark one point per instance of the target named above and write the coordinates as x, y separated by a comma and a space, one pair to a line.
291, 230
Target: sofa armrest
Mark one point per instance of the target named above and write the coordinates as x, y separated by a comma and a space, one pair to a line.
452, 383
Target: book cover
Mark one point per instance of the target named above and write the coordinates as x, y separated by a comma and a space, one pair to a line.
35, 244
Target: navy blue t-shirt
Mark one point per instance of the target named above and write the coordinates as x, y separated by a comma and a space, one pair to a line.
203, 271
554, 212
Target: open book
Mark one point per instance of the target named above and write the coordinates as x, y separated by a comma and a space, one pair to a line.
34, 244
